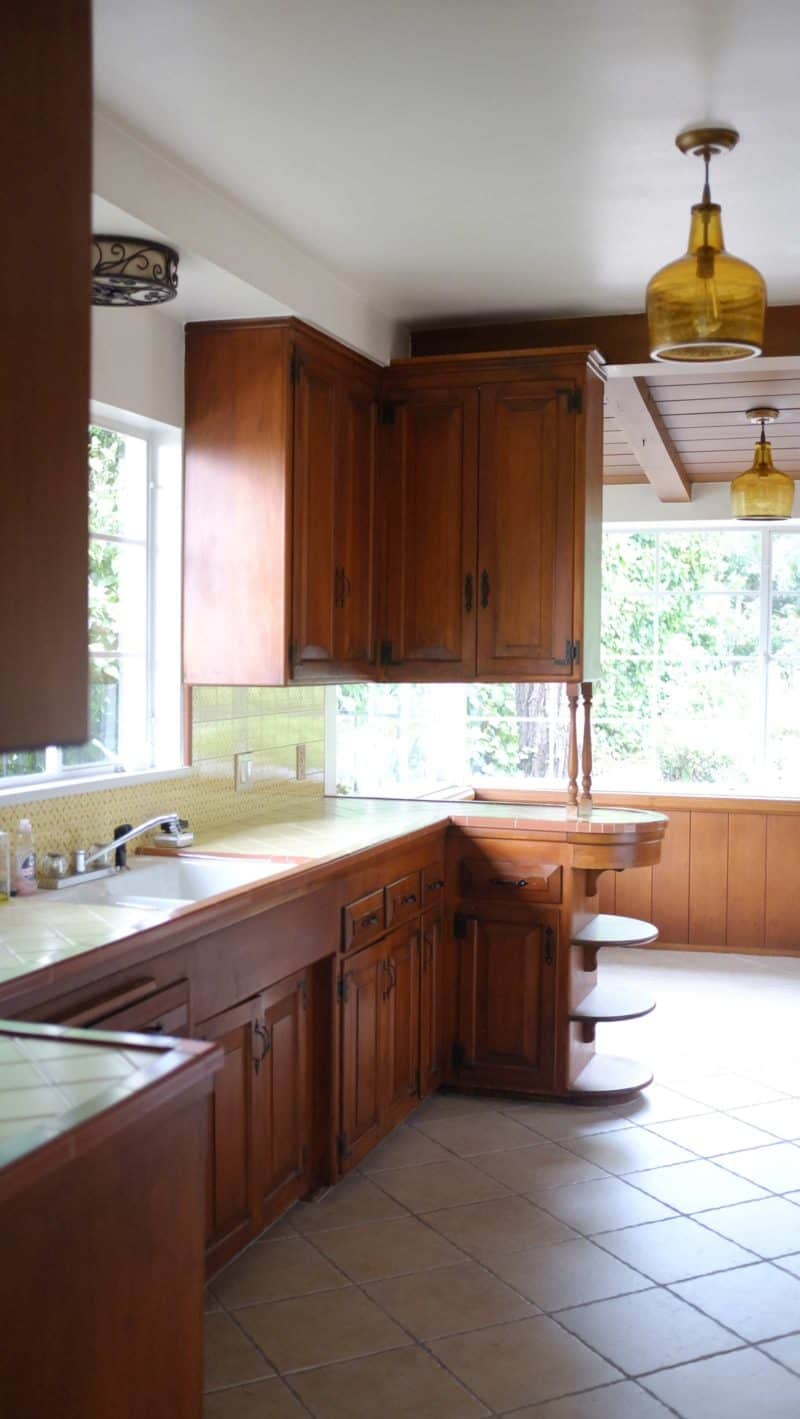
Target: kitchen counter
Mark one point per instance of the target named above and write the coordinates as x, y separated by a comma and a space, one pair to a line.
40, 935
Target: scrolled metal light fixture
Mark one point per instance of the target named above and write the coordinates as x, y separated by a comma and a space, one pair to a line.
133, 271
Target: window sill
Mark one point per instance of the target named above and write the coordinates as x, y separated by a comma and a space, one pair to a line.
67, 787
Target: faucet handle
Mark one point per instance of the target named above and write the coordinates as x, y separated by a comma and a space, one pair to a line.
121, 853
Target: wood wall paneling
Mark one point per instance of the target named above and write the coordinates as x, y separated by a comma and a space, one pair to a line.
782, 871
708, 878
747, 861
671, 882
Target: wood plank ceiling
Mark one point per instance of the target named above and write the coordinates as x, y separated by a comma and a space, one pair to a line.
703, 417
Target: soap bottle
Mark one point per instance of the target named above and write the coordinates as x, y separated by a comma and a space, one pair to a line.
24, 860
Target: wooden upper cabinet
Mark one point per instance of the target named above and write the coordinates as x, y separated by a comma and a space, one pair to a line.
279, 565
46, 108
429, 465
526, 534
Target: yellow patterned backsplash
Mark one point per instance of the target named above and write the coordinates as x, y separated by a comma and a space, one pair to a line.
269, 723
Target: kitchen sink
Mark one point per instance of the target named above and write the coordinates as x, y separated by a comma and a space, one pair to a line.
168, 885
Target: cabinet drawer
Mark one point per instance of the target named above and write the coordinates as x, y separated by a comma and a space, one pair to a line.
496, 880
363, 920
165, 1013
403, 899
432, 884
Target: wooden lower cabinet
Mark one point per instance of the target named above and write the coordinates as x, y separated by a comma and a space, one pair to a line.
259, 1115
431, 1004
400, 1003
507, 982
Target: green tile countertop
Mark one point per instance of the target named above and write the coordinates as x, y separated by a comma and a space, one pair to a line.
38, 933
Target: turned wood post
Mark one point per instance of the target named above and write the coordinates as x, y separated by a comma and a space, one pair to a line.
585, 807
572, 750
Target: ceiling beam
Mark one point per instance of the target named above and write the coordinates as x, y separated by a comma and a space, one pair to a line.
636, 413
621, 339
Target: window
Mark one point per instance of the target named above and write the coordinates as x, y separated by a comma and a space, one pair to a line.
699, 685
134, 656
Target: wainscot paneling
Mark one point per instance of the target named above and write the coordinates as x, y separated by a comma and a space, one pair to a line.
728, 875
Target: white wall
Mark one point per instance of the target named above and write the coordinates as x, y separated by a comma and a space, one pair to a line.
137, 363
637, 502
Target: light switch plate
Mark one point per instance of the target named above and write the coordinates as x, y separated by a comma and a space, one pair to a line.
243, 775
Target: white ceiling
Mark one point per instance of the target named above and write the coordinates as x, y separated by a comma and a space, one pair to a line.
473, 157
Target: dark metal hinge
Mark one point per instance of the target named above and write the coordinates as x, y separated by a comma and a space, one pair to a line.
386, 654
459, 926
342, 1148
459, 1055
295, 366
342, 992
386, 413
292, 648
303, 989
574, 398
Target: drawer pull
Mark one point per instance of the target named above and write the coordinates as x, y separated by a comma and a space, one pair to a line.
436, 885
506, 882
371, 920
265, 1035
408, 899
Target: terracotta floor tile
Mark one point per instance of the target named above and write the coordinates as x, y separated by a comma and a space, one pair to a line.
229, 1357
729, 1091
630, 1151
625, 1400
522, 1363
601, 1206
758, 1302
393, 1247
540, 1165
284, 1227
711, 1134
566, 1275
352, 1201
694, 1187
437, 1185
485, 1228
274, 1270
675, 1250
647, 1331
777, 1166
406, 1147
743, 1385
769, 1227
319, 1329
403, 1384
268, 1399
468, 1134
781, 1119
453, 1299
439, 1106
210, 1302
556, 1121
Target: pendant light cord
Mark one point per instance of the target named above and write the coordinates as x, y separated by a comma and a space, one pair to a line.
706, 184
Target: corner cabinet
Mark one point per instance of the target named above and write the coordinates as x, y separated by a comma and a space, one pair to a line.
438, 520
279, 520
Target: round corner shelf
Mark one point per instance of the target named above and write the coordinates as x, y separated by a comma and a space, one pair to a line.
609, 1078
606, 930
607, 1003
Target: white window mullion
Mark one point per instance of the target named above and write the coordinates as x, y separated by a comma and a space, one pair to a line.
765, 634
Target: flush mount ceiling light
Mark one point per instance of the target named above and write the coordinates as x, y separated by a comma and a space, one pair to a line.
133, 271
763, 493
708, 305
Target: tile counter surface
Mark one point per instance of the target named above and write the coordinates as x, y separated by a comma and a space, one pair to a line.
41, 932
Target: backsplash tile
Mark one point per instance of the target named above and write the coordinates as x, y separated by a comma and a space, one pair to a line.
225, 721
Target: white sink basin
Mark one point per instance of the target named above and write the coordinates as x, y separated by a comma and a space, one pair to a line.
168, 885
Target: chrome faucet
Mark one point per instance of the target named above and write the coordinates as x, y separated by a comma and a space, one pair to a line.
125, 834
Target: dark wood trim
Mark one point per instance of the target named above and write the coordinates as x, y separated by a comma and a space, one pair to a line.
621, 339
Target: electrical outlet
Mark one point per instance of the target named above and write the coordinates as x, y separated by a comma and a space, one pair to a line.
300, 761
243, 766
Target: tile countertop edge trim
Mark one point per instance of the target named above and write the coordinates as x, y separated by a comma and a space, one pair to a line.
241, 903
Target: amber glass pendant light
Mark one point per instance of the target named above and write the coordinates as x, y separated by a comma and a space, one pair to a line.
708, 305
763, 493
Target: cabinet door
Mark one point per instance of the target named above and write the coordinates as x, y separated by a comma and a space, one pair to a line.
363, 983
428, 513
354, 573
316, 437
506, 1002
400, 1001
283, 1085
234, 1204
526, 535
431, 1023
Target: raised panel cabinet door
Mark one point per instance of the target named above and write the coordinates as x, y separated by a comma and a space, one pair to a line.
283, 1084
431, 1022
400, 1000
355, 645
428, 464
506, 1003
234, 1202
527, 531
315, 460
361, 985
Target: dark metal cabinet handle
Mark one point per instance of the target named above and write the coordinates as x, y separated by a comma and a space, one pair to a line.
370, 920
484, 589
549, 943
338, 594
436, 885
157, 1028
264, 1033
506, 882
468, 591
389, 968
347, 586
408, 899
